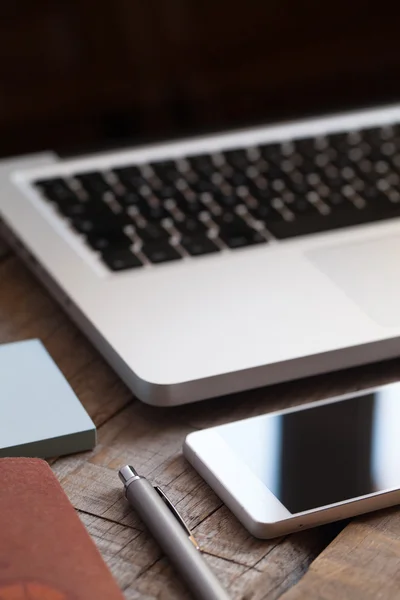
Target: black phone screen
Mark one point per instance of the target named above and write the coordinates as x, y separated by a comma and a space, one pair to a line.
324, 454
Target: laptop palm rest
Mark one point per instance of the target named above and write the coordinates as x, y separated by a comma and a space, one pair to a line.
368, 272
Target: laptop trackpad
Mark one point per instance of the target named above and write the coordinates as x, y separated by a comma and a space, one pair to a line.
368, 272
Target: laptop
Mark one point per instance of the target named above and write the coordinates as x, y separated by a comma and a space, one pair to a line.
225, 262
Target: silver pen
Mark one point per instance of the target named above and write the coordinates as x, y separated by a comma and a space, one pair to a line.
175, 539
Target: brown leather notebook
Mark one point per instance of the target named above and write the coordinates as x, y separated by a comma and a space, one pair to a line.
45, 551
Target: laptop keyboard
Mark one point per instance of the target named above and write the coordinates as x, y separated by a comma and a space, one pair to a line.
158, 212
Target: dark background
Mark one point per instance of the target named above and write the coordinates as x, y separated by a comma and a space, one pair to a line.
84, 74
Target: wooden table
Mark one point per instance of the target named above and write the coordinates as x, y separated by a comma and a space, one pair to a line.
355, 560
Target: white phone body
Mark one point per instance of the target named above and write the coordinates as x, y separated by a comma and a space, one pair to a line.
233, 459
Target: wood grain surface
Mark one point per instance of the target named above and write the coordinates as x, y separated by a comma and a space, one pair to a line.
356, 560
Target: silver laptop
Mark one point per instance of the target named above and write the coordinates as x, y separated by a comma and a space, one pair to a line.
223, 263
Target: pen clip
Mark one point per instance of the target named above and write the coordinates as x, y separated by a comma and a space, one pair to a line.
177, 516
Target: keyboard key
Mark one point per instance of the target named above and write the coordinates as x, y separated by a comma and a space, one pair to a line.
272, 171
130, 199
160, 252
167, 171
101, 223
373, 135
201, 244
152, 232
84, 225
266, 213
371, 193
272, 153
237, 159
340, 142
301, 206
229, 220
94, 183
57, 190
110, 240
235, 232
205, 186
306, 147
287, 229
154, 211
299, 187
121, 259
88, 208
228, 201
264, 195
342, 161
130, 177
202, 164
237, 179
190, 227
190, 205
72, 209
338, 200
165, 192
238, 238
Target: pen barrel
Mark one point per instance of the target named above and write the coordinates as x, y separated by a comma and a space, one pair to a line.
174, 541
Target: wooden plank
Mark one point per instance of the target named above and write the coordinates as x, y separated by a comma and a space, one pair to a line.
27, 311
362, 563
126, 550
221, 535
142, 572
159, 580
273, 565
151, 439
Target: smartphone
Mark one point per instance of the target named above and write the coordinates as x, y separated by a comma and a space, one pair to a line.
303, 467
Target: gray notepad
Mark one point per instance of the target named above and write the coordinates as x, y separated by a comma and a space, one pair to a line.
39, 413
